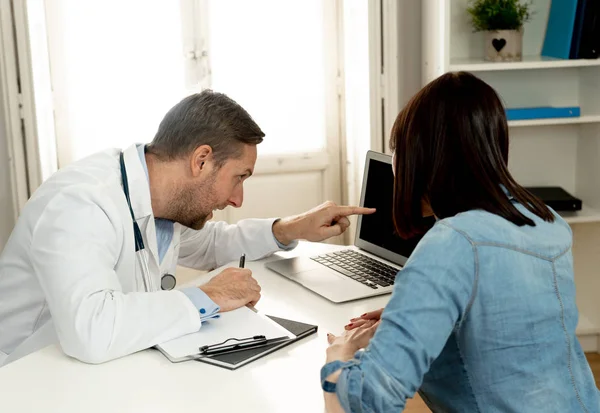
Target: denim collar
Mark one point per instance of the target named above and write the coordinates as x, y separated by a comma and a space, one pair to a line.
507, 193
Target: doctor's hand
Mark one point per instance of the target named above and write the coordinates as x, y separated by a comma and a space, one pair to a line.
233, 288
325, 221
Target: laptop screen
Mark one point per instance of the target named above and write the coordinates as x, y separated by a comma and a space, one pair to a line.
378, 228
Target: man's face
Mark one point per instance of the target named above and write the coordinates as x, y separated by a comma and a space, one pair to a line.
214, 188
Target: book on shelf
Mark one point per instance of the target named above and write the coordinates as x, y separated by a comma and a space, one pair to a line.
588, 42
543, 112
559, 30
577, 29
573, 30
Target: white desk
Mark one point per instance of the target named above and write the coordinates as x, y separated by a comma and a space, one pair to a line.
285, 381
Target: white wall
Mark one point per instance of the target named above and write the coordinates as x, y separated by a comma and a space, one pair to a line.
357, 78
409, 49
7, 220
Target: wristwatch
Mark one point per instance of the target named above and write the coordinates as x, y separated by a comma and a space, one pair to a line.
327, 370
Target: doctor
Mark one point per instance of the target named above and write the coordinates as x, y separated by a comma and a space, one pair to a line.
92, 258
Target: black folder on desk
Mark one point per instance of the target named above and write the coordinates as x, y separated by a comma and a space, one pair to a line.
238, 359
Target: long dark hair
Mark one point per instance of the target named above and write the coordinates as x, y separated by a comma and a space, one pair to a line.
451, 151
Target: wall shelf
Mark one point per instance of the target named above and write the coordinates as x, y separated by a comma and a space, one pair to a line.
585, 215
529, 62
587, 333
555, 121
585, 326
561, 152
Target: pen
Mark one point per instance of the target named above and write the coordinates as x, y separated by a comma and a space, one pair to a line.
242, 346
242, 263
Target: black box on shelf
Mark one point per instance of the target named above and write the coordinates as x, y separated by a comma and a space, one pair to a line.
556, 198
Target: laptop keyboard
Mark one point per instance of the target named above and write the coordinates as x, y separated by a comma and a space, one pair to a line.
359, 267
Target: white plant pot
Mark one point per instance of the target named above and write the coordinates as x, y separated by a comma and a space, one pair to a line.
504, 45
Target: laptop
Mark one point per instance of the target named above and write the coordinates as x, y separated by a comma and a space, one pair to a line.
369, 267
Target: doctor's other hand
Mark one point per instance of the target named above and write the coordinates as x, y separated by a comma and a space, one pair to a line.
232, 288
320, 223
361, 320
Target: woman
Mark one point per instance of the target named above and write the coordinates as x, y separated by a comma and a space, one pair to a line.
482, 317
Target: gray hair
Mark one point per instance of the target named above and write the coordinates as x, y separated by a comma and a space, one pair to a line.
206, 118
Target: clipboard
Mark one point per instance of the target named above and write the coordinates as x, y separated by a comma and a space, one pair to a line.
238, 359
236, 327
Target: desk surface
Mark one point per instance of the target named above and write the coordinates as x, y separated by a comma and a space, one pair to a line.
284, 381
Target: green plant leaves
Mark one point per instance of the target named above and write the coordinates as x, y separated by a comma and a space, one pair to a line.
499, 14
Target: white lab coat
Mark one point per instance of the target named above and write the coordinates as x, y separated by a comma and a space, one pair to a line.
69, 268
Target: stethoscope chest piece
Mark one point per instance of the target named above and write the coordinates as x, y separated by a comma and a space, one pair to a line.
167, 282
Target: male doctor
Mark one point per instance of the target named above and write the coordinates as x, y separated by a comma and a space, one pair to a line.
92, 258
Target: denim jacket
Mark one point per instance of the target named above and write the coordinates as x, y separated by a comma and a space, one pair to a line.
482, 319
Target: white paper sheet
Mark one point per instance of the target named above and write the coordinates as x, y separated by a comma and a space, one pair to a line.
240, 323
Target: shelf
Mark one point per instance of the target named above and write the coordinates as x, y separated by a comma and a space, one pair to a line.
585, 326
554, 121
586, 215
528, 62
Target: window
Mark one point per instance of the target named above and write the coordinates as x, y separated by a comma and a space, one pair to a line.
269, 56
115, 74
118, 66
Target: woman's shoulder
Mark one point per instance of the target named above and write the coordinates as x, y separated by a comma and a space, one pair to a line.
443, 240
484, 228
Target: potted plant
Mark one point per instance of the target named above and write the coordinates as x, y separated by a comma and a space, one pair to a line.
502, 21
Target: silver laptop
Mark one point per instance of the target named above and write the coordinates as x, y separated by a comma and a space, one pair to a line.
369, 267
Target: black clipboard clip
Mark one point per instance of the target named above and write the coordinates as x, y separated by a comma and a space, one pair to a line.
239, 345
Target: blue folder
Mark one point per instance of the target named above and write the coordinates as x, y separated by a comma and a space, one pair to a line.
543, 113
559, 32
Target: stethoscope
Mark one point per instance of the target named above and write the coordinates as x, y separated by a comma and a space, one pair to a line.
167, 281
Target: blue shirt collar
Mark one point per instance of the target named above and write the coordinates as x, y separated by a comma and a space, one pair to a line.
142, 153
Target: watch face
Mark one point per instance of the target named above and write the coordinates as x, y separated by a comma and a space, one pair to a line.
167, 282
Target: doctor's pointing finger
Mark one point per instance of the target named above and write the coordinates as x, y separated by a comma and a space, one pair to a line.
322, 222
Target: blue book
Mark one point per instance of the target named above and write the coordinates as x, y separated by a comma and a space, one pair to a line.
559, 31
543, 112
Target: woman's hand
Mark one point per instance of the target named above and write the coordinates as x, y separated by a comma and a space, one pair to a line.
344, 346
359, 321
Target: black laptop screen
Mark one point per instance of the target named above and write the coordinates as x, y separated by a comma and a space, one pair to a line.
378, 228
